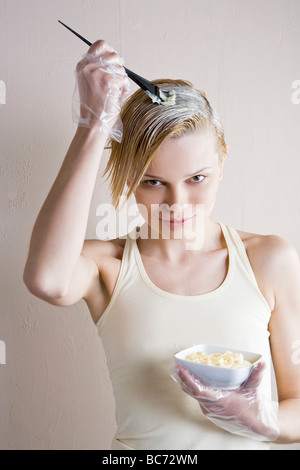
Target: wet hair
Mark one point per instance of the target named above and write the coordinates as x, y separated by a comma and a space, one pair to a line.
146, 125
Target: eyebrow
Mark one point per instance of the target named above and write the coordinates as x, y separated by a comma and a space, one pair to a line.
186, 176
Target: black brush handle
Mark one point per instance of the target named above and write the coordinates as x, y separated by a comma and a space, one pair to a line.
145, 84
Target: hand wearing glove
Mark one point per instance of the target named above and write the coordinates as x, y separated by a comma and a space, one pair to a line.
245, 411
101, 86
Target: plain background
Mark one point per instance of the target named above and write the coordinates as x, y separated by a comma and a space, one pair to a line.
55, 389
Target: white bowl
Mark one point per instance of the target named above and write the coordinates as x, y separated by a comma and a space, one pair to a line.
220, 378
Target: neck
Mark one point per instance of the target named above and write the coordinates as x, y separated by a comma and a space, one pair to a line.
173, 249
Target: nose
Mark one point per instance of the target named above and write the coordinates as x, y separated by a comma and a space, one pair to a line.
177, 201
176, 195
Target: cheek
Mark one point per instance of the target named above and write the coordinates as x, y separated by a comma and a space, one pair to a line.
210, 196
144, 201
151, 204
148, 196
205, 194
213, 189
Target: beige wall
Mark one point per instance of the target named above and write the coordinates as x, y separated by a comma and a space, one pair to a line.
55, 390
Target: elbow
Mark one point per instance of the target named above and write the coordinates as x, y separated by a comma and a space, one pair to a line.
43, 286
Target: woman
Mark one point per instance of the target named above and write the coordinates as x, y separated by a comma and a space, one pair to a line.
183, 279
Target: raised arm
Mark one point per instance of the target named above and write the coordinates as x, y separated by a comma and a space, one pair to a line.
57, 258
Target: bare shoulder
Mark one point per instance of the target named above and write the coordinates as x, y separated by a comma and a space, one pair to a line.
272, 257
272, 249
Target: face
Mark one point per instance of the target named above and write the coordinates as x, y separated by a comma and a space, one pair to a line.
180, 185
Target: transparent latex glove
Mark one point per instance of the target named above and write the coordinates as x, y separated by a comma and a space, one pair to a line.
245, 411
101, 86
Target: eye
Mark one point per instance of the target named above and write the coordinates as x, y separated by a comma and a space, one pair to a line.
198, 178
152, 183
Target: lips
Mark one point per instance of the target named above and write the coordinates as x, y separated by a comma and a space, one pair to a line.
181, 221
177, 221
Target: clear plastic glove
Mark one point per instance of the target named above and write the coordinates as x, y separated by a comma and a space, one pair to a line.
245, 411
101, 86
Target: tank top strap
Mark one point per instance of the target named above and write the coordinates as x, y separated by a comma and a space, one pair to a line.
127, 264
241, 253
127, 269
128, 254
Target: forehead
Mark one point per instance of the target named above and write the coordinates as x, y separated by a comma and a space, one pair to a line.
185, 155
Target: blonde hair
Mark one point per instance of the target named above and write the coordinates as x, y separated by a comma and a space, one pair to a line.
146, 125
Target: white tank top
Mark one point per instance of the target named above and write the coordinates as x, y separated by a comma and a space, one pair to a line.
144, 326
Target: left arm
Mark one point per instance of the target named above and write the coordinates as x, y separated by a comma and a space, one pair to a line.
244, 411
284, 330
